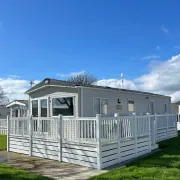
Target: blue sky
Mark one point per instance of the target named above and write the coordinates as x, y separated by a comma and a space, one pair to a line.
43, 38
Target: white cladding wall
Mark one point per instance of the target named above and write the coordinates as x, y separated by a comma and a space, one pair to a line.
140, 100
53, 92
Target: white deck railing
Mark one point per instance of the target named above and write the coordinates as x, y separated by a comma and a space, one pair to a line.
19, 126
45, 127
178, 122
85, 129
81, 129
3, 126
97, 142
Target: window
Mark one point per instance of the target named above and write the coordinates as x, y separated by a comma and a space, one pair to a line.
165, 108
97, 106
21, 112
16, 113
62, 106
35, 108
131, 106
104, 106
100, 106
43, 107
152, 107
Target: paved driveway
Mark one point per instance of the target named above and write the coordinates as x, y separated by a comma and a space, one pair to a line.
45, 167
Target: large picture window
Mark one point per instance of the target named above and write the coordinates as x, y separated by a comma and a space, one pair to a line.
63, 106
35, 108
43, 107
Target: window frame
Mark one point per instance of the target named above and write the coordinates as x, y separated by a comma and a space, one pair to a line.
100, 105
36, 99
165, 108
54, 97
150, 107
128, 106
39, 105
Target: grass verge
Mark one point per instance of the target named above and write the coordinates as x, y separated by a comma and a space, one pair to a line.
10, 173
3, 142
164, 164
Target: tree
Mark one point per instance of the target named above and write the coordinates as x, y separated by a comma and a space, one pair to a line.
82, 79
2, 93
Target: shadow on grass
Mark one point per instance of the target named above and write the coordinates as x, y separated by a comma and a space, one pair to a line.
164, 164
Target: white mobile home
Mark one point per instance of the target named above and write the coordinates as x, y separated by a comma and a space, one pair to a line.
18, 108
96, 127
176, 107
53, 97
176, 110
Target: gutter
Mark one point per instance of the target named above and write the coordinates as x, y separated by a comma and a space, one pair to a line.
144, 93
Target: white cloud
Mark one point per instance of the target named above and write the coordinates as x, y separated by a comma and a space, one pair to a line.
70, 74
61, 75
14, 76
151, 57
76, 73
165, 30
163, 78
15, 88
117, 83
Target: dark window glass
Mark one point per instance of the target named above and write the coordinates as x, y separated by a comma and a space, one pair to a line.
35, 108
97, 106
63, 106
43, 107
16, 113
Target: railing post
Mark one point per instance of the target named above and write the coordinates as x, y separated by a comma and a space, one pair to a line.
176, 124
60, 128
154, 131
30, 134
135, 132
8, 132
149, 123
118, 135
98, 138
155, 127
167, 125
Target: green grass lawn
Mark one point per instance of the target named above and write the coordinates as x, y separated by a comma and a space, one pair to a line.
162, 165
3, 142
9, 173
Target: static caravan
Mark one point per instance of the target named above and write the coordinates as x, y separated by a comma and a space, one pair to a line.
18, 108
52, 97
91, 125
176, 107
